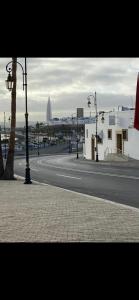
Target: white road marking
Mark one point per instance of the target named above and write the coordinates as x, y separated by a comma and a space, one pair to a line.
90, 172
68, 176
34, 169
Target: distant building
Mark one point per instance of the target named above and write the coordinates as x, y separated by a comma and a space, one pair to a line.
49, 111
70, 121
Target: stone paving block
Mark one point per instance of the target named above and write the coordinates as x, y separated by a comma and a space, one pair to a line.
43, 213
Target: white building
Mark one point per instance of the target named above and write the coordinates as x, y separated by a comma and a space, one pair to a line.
116, 137
49, 111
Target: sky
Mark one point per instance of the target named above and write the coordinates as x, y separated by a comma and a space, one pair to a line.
68, 82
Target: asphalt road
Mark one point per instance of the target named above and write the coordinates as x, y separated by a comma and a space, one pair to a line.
118, 182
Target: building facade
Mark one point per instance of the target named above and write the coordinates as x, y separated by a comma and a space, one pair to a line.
116, 136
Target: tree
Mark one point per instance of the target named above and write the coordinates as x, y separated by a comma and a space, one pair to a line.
9, 169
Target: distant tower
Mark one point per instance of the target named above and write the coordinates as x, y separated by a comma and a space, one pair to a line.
49, 110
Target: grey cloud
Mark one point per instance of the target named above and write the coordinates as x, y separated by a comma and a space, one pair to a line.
69, 80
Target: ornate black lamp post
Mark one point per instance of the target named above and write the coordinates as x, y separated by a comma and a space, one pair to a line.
9, 85
95, 104
5, 146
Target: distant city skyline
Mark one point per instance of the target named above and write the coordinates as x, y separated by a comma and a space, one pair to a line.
68, 82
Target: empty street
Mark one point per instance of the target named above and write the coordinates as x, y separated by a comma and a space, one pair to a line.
118, 182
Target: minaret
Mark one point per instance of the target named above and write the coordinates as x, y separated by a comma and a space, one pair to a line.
49, 110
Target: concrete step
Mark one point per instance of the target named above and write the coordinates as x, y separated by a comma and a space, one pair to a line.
116, 157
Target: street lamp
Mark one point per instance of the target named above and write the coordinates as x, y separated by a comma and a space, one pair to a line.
9, 85
95, 104
9, 82
102, 118
4, 137
38, 127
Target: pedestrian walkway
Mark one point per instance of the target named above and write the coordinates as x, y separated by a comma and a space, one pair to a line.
127, 164
44, 213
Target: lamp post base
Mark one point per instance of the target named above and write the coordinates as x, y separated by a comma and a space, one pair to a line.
27, 176
77, 156
97, 157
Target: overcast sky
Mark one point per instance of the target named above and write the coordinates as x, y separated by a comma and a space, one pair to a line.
68, 82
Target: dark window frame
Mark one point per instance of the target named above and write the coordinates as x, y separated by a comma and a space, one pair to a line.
125, 134
109, 134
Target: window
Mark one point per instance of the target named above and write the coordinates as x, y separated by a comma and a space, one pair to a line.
109, 134
87, 133
111, 120
125, 134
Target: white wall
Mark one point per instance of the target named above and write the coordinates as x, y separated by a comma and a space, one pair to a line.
109, 145
87, 150
123, 120
131, 147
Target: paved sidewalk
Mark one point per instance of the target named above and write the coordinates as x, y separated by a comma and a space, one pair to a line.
43, 213
125, 164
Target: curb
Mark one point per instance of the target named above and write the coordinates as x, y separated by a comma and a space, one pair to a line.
85, 195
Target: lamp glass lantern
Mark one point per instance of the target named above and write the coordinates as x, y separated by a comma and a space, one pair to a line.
89, 102
9, 82
102, 119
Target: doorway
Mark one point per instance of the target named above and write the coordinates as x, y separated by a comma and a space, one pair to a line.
119, 143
